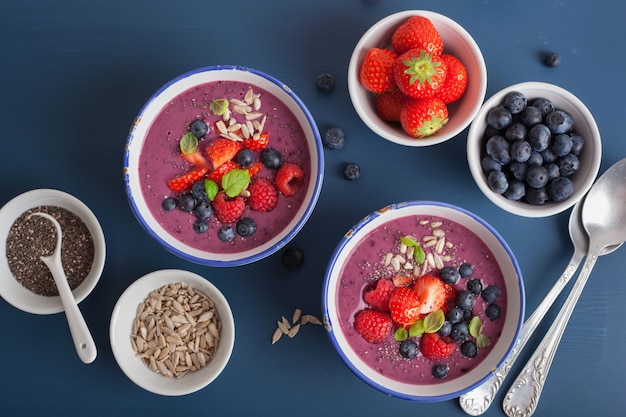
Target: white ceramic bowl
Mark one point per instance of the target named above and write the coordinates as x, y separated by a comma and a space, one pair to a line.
124, 314
134, 182
344, 273
21, 297
457, 41
584, 125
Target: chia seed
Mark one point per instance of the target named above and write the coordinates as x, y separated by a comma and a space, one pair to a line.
30, 238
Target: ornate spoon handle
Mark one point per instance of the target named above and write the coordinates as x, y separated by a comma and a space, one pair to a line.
478, 400
524, 394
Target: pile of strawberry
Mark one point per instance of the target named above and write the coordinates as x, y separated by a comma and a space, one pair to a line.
414, 80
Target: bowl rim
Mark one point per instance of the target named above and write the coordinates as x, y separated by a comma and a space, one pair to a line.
355, 88
121, 323
257, 253
10, 289
376, 218
474, 138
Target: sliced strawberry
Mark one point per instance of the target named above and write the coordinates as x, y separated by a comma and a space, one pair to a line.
217, 174
378, 297
220, 151
257, 144
435, 348
432, 293
184, 182
372, 325
196, 159
404, 306
255, 168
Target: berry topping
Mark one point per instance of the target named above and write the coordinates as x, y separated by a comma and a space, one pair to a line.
432, 293
263, 195
289, 179
378, 297
465, 300
226, 209
404, 306
334, 138
217, 174
352, 171
169, 203
271, 158
466, 270
408, 348
185, 181
449, 275
226, 233
221, 151
435, 348
460, 331
475, 286
293, 257
372, 325
244, 158
246, 227
203, 211
469, 348
198, 128
440, 370
257, 143
491, 293
200, 226
493, 312
186, 203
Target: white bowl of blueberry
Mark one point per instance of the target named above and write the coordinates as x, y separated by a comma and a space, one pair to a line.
223, 165
534, 149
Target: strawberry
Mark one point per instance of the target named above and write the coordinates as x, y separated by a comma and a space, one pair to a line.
254, 168
389, 104
184, 182
432, 292
417, 32
217, 174
376, 72
196, 159
455, 83
226, 209
419, 73
289, 178
404, 306
221, 150
423, 117
263, 195
257, 144
435, 348
378, 297
372, 325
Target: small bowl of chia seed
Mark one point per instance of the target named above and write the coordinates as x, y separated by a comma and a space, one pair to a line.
25, 281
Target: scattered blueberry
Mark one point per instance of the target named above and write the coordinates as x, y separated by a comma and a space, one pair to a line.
491, 293
293, 257
559, 121
455, 315
445, 329
466, 270
408, 348
186, 203
245, 227
460, 331
352, 171
551, 59
203, 211
568, 165
493, 312
334, 138
169, 203
244, 157
198, 128
449, 275
469, 349
499, 117
271, 158
475, 286
440, 370
537, 176
515, 102
465, 300
200, 226
560, 189
226, 234
325, 82
497, 181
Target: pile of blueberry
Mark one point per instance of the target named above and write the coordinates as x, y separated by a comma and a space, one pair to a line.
531, 150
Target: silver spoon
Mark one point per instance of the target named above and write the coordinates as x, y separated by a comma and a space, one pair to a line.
83, 341
478, 400
604, 218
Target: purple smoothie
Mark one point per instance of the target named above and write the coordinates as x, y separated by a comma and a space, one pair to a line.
366, 264
160, 161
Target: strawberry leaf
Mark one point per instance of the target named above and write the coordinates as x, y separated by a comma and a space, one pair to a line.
211, 188
188, 143
475, 327
234, 181
433, 321
417, 328
400, 334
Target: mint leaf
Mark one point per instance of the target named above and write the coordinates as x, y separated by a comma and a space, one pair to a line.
211, 189
482, 341
475, 327
219, 106
407, 240
400, 334
416, 328
234, 181
188, 143
419, 255
433, 321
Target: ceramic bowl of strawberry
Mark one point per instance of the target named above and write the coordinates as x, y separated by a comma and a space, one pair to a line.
223, 165
417, 78
534, 149
422, 300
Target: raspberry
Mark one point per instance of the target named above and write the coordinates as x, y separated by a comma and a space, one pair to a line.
289, 179
372, 325
263, 195
379, 296
228, 210
435, 348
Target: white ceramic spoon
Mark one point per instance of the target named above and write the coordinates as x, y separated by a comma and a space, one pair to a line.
83, 341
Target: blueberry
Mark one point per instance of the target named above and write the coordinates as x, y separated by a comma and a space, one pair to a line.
531, 116
562, 144
548, 156
475, 286
445, 329
440, 370
293, 257
455, 315
246, 227
536, 196
325, 82
203, 211
560, 189
334, 138
497, 181
539, 137
460, 331
271, 158
449, 275
521, 150
408, 348
245, 157
516, 190
469, 349
517, 131
515, 102
226, 234
518, 170
466, 270
493, 312
537, 176
551, 59
488, 164
499, 117
198, 128
200, 226
544, 105
553, 170
169, 203
559, 121
578, 142
352, 171
186, 203
499, 149
491, 293
199, 192
465, 300
535, 159
568, 165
